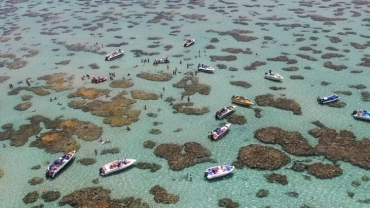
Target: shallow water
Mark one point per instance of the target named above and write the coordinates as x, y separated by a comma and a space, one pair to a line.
70, 23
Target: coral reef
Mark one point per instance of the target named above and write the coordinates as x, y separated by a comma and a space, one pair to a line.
236, 119
87, 161
241, 84
49, 196
31, 197
58, 81
194, 153
88, 93
145, 165
149, 144
36, 180
262, 157
191, 86
23, 106
324, 171
291, 142
228, 203
184, 108
161, 195
117, 112
110, 151
141, 95
280, 103
262, 193
121, 84
155, 77
62, 140
2, 173
277, 178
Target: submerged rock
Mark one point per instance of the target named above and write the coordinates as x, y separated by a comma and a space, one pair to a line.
49, 196
161, 195
277, 178
31, 197
324, 171
36, 180
291, 142
87, 161
152, 166
262, 157
177, 160
280, 103
262, 193
228, 203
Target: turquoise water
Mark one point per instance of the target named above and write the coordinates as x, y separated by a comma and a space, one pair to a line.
69, 21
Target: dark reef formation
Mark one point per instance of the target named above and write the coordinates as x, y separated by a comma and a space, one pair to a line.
262, 157
280, 103
177, 160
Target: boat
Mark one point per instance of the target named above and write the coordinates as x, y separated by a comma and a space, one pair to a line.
189, 42
218, 171
115, 166
273, 76
328, 99
361, 114
241, 100
220, 131
205, 68
59, 164
114, 55
225, 111
97, 80
163, 60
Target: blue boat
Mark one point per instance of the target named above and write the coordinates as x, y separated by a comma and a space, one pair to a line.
328, 99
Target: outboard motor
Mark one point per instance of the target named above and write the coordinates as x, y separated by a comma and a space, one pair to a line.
354, 112
205, 174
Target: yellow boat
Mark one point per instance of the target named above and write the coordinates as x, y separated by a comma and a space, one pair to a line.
241, 100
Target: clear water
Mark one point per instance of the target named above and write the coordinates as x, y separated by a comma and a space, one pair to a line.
133, 19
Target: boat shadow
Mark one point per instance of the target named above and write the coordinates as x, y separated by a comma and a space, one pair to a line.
62, 170
215, 180
363, 120
118, 172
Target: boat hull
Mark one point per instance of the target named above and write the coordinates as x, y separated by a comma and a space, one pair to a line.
361, 114
220, 132
241, 100
111, 56
188, 43
225, 111
115, 166
273, 76
218, 171
328, 99
59, 164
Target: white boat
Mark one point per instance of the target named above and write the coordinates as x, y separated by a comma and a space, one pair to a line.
218, 171
361, 114
328, 99
163, 60
59, 164
225, 111
189, 42
219, 132
115, 166
114, 55
205, 68
273, 76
